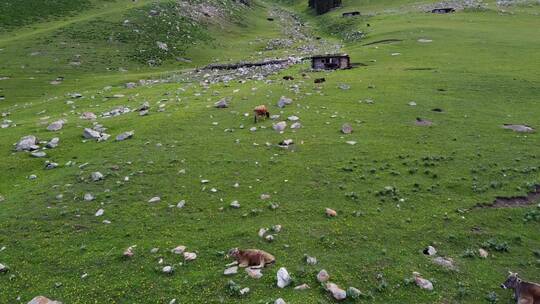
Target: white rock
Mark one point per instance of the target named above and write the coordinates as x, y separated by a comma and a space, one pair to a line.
483, 253
421, 282
91, 134
125, 135
190, 256
338, 293
179, 249
89, 197
231, 271
346, 129
244, 291
323, 276
302, 287
283, 278
293, 118
27, 143
311, 260
3, 268
97, 176
284, 101
254, 273
280, 126
155, 199
221, 104
181, 204
43, 300
168, 269
56, 126
430, 250
296, 125
262, 232
235, 204
100, 212
280, 301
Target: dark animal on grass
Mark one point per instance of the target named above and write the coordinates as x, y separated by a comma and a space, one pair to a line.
288, 78
524, 292
253, 258
320, 80
261, 111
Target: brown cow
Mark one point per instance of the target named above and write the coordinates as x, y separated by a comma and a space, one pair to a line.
261, 111
253, 258
524, 292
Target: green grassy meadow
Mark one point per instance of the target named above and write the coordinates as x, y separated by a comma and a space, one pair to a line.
400, 188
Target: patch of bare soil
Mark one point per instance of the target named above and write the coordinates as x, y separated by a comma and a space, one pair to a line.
515, 201
383, 41
519, 128
423, 122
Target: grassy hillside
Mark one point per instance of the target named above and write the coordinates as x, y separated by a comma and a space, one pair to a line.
397, 186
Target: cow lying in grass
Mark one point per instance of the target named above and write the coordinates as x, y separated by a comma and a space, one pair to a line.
261, 111
253, 258
524, 292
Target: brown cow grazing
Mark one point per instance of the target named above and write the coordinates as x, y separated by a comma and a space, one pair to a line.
253, 258
261, 111
524, 292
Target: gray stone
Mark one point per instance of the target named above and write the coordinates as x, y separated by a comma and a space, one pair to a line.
89, 197
231, 271
3, 268
346, 129
56, 126
91, 134
27, 143
221, 104
43, 300
323, 276
53, 143
280, 126
50, 166
88, 116
284, 101
39, 154
283, 278
97, 176
338, 293
125, 135
353, 293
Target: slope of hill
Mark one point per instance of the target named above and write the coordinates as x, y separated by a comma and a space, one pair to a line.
427, 101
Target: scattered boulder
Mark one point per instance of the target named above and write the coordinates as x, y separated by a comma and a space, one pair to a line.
56, 126
222, 104
89, 197
43, 300
93, 134
483, 253
430, 250
155, 199
190, 256
39, 154
168, 269
353, 293
97, 176
27, 143
296, 125
323, 276
254, 273
280, 126
235, 205
283, 278
518, 128
50, 165
179, 249
338, 293
302, 287
53, 143
280, 301
100, 212
447, 263
310, 260
284, 101
346, 129
231, 271
330, 212
128, 253
125, 135
3, 268
421, 282
88, 116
